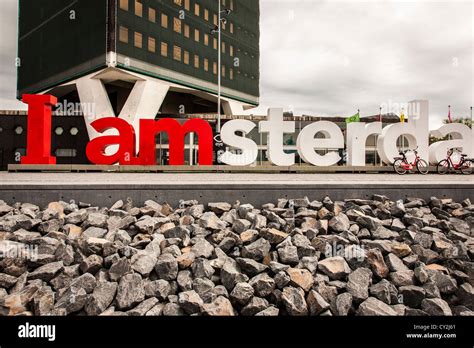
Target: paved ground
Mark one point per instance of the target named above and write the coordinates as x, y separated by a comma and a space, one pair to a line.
67, 179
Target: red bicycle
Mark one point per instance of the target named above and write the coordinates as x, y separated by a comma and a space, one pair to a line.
464, 165
401, 165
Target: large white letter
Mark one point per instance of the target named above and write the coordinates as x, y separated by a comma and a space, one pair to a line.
357, 134
307, 143
248, 147
462, 138
416, 131
276, 128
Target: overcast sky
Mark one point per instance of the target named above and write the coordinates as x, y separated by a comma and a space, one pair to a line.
330, 58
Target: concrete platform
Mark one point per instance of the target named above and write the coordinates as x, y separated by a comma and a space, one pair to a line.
106, 188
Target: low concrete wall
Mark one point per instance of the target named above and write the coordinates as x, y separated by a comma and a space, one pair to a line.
106, 195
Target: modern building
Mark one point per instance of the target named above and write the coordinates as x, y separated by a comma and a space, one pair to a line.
138, 59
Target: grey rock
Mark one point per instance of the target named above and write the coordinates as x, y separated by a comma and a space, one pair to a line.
143, 263
256, 250
242, 293
412, 295
294, 301
130, 291
343, 304
166, 267
335, 267
375, 307
316, 303
47, 272
358, 284
190, 302
263, 284
255, 305
436, 307
384, 291
288, 255
101, 298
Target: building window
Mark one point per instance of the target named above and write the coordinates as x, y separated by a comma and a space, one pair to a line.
177, 25
214, 20
206, 64
214, 68
138, 8
206, 39
196, 35
123, 34
231, 5
231, 74
65, 153
206, 14
187, 6
196, 61
186, 57
164, 20
151, 44
223, 71
178, 2
231, 28
197, 9
164, 49
124, 5
59, 131
138, 41
231, 50
177, 53
152, 14
223, 47
214, 43
186, 31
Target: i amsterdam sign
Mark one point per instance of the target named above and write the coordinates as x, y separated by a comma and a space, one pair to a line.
127, 145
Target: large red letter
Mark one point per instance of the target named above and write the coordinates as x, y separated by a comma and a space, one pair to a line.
125, 155
176, 134
38, 143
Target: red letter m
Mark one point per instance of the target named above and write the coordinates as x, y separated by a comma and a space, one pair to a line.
176, 134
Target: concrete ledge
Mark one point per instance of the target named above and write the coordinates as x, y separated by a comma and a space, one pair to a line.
106, 188
86, 168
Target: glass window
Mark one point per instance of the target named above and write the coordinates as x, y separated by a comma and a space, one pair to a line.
197, 9
151, 44
186, 31
164, 49
206, 39
164, 20
223, 47
231, 28
231, 74
231, 5
215, 19
123, 34
124, 5
196, 61
177, 25
206, 14
177, 53
231, 50
206, 64
196, 35
186, 57
223, 71
214, 43
138, 8
152, 14
138, 41
187, 6
214, 68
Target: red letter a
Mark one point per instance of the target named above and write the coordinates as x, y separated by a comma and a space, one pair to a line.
38, 148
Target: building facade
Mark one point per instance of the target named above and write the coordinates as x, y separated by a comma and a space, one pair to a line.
122, 42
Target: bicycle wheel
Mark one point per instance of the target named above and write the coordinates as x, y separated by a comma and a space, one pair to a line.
466, 167
422, 167
443, 167
398, 167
